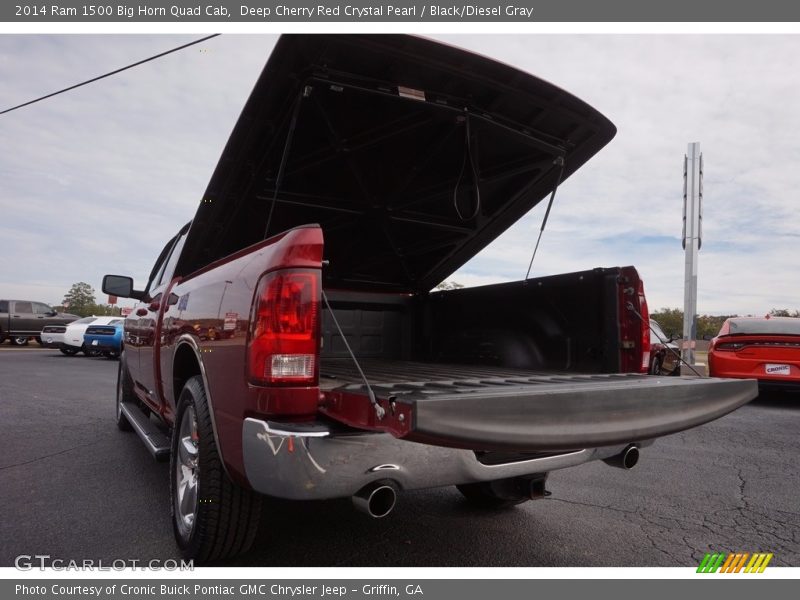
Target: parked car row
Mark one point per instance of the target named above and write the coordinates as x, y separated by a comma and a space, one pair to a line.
90, 335
23, 320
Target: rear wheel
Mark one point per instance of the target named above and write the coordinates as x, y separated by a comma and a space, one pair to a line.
38, 340
69, 350
655, 366
212, 517
111, 354
19, 340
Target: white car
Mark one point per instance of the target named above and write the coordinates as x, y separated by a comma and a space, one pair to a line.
72, 342
52, 336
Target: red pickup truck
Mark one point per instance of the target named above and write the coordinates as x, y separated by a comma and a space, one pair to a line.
287, 342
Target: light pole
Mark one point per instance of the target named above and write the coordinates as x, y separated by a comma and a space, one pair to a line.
692, 241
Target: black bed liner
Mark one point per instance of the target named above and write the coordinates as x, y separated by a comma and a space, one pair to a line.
485, 408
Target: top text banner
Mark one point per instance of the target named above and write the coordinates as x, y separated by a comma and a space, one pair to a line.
409, 11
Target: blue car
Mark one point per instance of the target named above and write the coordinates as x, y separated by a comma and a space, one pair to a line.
105, 339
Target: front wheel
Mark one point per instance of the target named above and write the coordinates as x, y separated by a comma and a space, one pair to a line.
124, 394
212, 517
19, 340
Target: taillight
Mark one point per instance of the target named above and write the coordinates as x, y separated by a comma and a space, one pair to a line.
645, 321
284, 329
729, 346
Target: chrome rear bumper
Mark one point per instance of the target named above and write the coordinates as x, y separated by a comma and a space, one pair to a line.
316, 464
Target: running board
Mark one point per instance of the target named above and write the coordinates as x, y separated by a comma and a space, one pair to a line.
156, 442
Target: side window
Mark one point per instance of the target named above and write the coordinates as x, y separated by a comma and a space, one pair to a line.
3, 306
23, 307
41, 309
169, 266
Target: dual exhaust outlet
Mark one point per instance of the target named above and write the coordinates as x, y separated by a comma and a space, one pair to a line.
379, 498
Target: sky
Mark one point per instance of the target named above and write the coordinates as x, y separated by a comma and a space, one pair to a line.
96, 180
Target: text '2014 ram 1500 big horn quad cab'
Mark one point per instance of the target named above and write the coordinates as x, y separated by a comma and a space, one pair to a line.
287, 344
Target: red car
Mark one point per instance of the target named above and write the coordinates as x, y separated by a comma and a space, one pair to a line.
765, 348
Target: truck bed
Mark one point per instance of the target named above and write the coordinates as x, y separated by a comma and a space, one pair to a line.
407, 375
493, 408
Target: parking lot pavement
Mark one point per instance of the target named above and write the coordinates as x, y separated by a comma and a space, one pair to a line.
74, 487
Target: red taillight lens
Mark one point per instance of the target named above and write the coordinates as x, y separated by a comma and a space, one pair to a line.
284, 329
645, 313
729, 346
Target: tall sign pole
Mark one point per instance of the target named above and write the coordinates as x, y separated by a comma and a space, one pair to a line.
692, 241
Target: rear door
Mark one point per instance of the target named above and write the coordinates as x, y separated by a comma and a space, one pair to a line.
23, 321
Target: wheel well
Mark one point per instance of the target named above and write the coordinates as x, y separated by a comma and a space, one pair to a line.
184, 367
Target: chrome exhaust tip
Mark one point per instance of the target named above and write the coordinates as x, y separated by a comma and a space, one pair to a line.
626, 459
377, 499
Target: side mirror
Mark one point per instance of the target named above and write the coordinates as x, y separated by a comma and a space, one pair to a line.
52, 313
673, 337
119, 285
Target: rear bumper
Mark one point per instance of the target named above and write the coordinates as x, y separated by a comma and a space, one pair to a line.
280, 464
53, 340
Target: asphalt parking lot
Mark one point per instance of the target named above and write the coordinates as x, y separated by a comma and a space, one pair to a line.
74, 487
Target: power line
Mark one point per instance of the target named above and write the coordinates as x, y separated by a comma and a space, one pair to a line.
88, 81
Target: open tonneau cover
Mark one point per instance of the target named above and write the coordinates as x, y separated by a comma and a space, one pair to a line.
485, 408
411, 155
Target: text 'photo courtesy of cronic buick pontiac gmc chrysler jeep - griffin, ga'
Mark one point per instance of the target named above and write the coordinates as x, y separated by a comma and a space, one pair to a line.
363, 171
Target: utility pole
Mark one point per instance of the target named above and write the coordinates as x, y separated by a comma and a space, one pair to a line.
692, 241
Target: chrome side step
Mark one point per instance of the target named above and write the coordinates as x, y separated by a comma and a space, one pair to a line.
156, 442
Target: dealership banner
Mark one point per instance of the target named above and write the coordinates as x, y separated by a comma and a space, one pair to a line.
408, 11
371, 589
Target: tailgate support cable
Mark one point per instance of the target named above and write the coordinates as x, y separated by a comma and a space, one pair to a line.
632, 308
379, 412
559, 161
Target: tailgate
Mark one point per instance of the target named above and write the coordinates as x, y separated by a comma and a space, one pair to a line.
539, 412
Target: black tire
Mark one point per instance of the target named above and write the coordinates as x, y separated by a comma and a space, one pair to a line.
226, 516
492, 494
39, 340
19, 340
111, 354
655, 366
69, 351
124, 394
3, 337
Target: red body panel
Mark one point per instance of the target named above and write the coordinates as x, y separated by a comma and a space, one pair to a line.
212, 308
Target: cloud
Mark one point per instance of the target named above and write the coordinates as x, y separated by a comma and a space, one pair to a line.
98, 179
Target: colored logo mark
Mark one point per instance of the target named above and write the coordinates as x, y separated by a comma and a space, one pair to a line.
734, 562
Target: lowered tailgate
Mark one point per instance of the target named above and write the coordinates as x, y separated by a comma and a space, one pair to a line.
522, 411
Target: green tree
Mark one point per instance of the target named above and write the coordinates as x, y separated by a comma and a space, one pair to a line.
79, 300
783, 312
670, 319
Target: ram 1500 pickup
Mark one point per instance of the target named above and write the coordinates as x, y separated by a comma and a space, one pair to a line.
21, 320
287, 342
